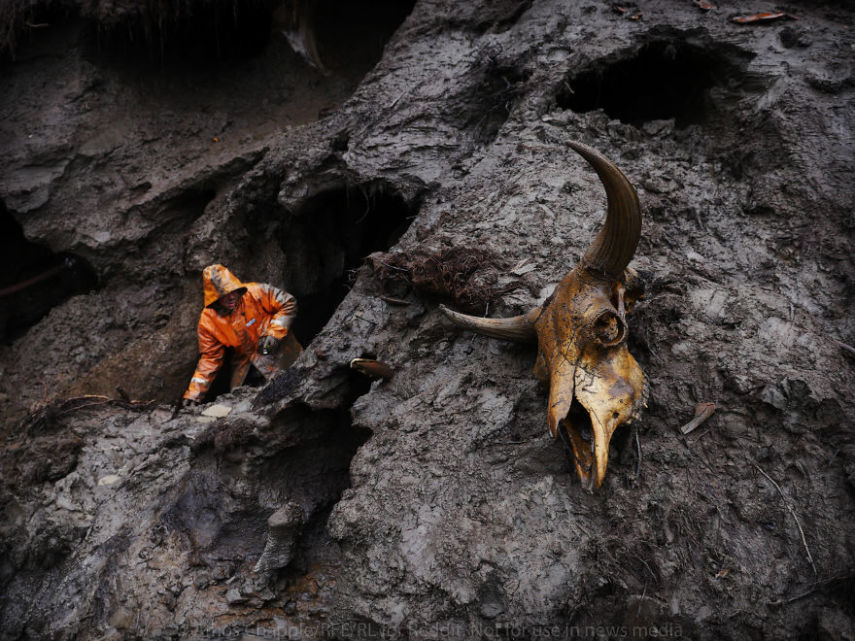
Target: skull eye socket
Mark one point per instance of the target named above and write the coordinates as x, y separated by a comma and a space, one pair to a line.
609, 329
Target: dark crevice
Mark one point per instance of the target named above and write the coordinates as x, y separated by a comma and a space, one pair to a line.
351, 34
23, 21
328, 237
341, 37
317, 472
664, 79
196, 33
301, 459
33, 279
491, 100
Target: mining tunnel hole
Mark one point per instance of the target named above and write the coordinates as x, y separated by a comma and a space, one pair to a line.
324, 240
665, 79
197, 33
338, 37
328, 237
317, 472
34, 279
24, 21
351, 34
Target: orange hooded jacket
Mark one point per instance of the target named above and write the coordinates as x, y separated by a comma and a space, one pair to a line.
263, 310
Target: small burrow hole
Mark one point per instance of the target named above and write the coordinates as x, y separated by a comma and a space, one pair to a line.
328, 237
350, 34
492, 98
34, 279
665, 79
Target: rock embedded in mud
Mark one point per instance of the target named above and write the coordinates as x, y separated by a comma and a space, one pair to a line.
217, 411
283, 528
459, 514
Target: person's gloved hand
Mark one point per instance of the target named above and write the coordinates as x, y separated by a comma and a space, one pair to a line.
190, 402
268, 345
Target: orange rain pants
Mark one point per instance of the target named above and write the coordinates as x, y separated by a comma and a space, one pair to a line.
263, 310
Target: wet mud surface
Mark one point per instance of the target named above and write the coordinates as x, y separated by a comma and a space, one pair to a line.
430, 168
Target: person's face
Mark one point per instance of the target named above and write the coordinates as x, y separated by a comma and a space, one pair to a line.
230, 301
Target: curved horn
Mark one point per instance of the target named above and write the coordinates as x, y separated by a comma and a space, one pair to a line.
615, 245
518, 328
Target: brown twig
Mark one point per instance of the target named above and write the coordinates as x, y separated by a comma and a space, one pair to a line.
702, 412
395, 301
12, 289
67, 406
792, 512
816, 586
373, 368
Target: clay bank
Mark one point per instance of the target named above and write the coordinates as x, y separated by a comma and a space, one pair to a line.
379, 160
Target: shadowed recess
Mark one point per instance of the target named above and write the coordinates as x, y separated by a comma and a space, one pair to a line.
33, 279
351, 34
329, 236
491, 100
347, 37
664, 79
198, 32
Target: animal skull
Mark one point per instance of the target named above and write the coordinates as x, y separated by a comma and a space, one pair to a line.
595, 385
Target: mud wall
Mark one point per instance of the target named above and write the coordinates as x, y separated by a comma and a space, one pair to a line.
434, 505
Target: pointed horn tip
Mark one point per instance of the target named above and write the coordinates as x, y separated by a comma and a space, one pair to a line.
449, 313
586, 151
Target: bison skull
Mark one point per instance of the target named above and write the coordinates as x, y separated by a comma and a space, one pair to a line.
595, 385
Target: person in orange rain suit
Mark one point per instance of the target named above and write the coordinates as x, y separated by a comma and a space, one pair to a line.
252, 318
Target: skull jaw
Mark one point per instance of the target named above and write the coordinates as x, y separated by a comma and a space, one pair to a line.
578, 428
590, 401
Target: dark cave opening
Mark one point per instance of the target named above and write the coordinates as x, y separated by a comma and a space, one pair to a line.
328, 237
664, 79
324, 241
350, 34
33, 279
337, 36
195, 33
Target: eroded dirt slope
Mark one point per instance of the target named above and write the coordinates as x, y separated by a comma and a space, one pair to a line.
433, 505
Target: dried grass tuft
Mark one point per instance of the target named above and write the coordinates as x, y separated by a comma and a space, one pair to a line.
467, 276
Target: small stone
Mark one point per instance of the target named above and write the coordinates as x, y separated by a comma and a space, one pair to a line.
233, 596
217, 411
283, 528
110, 479
243, 407
772, 395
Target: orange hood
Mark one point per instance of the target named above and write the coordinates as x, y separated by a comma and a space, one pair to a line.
219, 281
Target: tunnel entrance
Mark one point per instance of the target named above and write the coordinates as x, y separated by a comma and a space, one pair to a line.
329, 236
195, 33
664, 79
325, 239
33, 279
238, 68
350, 34
340, 37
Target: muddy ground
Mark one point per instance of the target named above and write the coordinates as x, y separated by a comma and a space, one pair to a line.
425, 164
